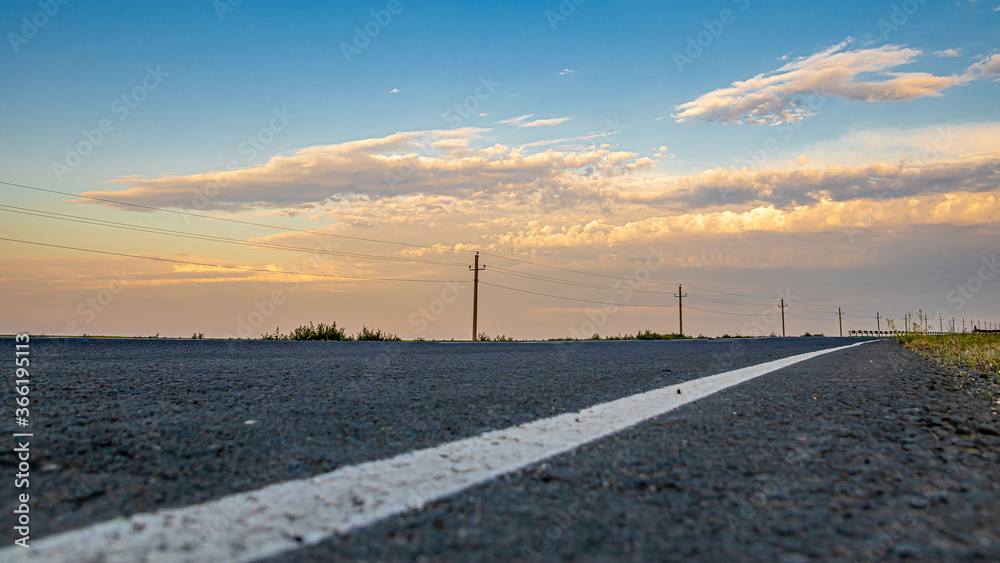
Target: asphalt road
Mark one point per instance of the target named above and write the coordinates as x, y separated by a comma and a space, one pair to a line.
862, 454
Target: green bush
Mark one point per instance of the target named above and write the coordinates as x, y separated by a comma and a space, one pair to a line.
319, 332
367, 335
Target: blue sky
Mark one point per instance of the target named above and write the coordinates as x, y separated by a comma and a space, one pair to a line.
587, 75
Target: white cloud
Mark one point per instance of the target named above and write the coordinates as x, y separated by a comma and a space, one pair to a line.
428, 162
395, 91
794, 90
989, 67
565, 71
544, 122
948, 53
522, 121
517, 120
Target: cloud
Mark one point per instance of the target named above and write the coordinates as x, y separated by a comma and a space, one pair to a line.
948, 53
565, 71
793, 91
787, 189
988, 67
415, 162
517, 120
544, 122
522, 121
395, 91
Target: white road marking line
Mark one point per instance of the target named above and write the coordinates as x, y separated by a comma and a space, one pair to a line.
287, 516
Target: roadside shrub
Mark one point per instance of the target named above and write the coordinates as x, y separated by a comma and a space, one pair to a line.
367, 335
319, 332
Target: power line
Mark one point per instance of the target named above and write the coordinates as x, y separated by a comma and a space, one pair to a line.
581, 272
727, 302
808, 318
225, 266
213, 238
574, 283
727, 293
573, 298
744, 315
214, 218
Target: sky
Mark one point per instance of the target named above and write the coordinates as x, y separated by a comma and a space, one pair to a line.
231, 167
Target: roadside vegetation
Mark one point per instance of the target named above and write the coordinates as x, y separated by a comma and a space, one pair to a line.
330, 332
644, 335
979, 351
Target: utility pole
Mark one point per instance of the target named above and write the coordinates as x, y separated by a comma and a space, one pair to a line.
840, 316
878, 322
782, 318
941, 323
680, 308
963, 325
475, 297
906, 319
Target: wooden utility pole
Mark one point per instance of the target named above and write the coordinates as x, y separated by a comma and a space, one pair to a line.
941, 323
840, 316
475, 297
680, 308
878, 322
963, 325
906, 319
782, 318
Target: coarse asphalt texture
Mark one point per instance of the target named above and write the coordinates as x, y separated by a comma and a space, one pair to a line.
865, 454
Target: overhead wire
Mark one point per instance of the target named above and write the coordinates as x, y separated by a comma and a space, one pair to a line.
573, 298
227, 240
224, 266
213, 238
215, 218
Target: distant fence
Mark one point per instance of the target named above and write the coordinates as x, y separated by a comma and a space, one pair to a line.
891, 333
894, 333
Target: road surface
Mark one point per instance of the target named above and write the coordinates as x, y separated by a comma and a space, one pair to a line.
863, 453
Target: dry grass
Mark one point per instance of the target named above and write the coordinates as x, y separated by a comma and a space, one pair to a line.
978, 351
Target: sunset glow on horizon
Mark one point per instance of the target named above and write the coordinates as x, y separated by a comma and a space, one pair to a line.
356, 156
